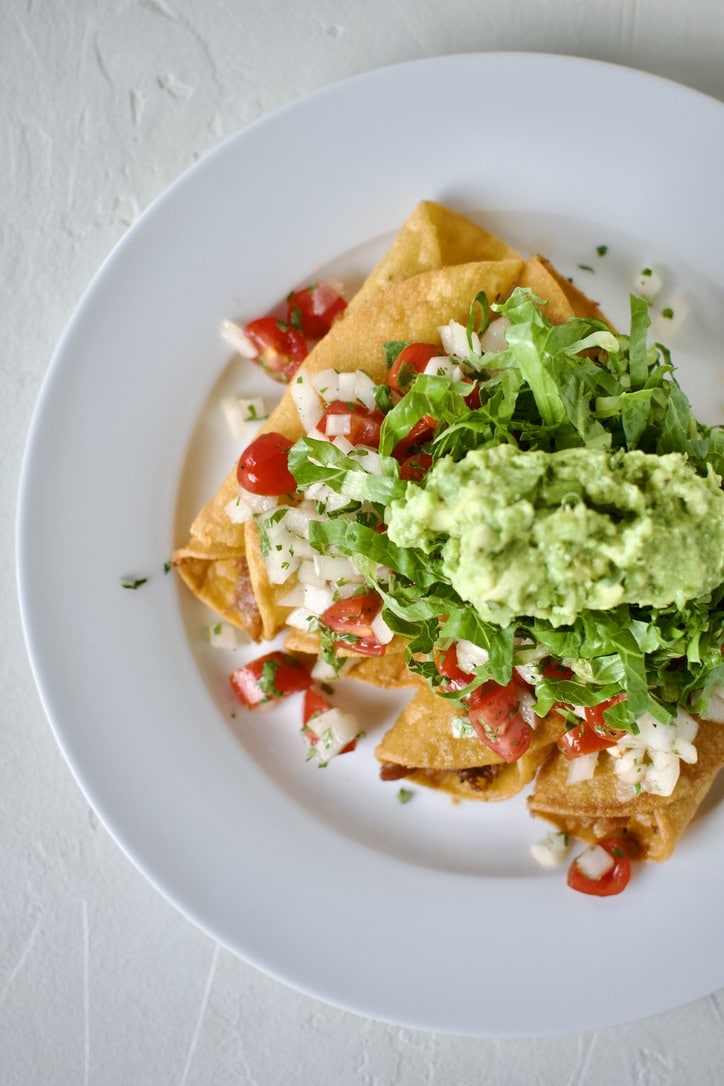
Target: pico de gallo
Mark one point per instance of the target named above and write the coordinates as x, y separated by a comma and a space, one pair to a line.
628, 678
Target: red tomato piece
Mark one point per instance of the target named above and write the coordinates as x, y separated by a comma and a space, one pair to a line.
269, 678
313, 309
364, 425
263, 467
314, 705
281, 348
582, 739
449, 668
368, 646
415, 467
410, 362
612, 881
596, 720
494, 712
473, 399
422, 432
353, 615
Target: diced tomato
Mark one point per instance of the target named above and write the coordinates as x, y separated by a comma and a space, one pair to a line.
314, 704
263, 467
314, 707
269, 678
313, 309
473, 399
421, 432
596, 720
364, 425
281, 348
353, 615
612, 882
368, 646
583, 739
353, 618
494, 712
410, 362
415, 467
449, 668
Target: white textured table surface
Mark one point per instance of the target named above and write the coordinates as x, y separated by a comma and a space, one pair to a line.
101, 981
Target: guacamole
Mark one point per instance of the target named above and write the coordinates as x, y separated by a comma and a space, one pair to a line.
551, 534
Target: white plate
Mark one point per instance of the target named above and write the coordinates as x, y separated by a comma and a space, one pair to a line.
426, 914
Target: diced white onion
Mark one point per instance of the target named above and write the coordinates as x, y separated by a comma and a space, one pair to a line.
529, 673
259, 503
306, 400
552, 850
381, 630
648, 283
364, 390
338, 425
309, 575
341, 441
470, 656
326, 382
317, 598
335, 729
239, 412
582, 768
595, 862
493, 338
443, 367
333, 568
347, 385
294, 597
234, 334
526, 701
238, 511
300, 619
454, 339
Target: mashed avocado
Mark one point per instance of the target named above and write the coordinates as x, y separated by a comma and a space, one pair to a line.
549, 535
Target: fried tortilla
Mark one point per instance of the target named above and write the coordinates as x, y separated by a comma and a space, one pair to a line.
648, 825
422, 747
461, 258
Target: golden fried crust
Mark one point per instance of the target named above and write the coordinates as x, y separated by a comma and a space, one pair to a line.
650, 825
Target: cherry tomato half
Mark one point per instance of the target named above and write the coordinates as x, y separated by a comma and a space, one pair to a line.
415, 467
364, 425
596, 720
269, 678
263, 467
313, 309
422, 432
353, 615
282, 349
494, 712
612, 881
582, 739
410, 362
449, 668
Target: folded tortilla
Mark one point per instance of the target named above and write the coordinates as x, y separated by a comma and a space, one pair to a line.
221, 562
421, 746
648, 825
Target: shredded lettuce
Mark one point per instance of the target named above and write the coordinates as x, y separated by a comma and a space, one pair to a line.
552, 387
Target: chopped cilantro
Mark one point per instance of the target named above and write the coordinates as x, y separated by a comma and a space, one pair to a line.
404, 795
133, 582
585, 267
667, 312
602, 250
166, 567
267, 679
